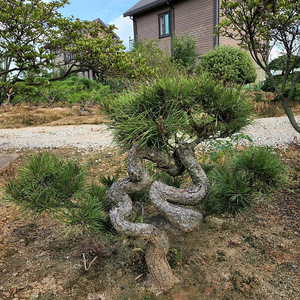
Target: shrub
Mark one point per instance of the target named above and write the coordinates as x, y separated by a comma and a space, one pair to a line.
268, 85
45, 183
229, 64
229, 192
184, 51
157, 59
235, 182
50, 184
264, 167
88, 214
71, 90
100, 193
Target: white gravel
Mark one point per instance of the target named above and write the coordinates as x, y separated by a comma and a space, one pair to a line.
273, 132
88, 137
268, 131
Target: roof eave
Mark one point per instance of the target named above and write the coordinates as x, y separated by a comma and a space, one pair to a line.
144, 8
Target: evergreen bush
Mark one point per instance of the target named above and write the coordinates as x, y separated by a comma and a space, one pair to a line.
50, 184
263, 165
235, 182
229, 192
155, 113
229, 64
157, 59
46, 183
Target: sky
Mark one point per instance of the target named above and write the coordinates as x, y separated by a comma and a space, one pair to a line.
109, 11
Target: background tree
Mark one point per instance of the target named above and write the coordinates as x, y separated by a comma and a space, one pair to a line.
277, 66
229, 64
259, 26
33, 33
156, 59
184, 51
162, 122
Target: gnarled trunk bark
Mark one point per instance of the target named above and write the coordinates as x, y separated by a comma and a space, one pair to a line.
169, 201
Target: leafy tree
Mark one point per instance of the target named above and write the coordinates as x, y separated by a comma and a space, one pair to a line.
184, 51
162, 122
259, 26
33, 33
229, 64
278, 64
156, 59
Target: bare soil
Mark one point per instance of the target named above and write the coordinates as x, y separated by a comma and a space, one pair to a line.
253, 256
25, 115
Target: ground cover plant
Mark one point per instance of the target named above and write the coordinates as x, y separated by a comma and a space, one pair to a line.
77, 90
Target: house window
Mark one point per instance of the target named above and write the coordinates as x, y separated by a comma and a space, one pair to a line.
164, 24
228, 11
67, 57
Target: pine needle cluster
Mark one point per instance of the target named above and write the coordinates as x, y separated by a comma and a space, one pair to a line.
49, 184
46, 183
170, 110
236, 182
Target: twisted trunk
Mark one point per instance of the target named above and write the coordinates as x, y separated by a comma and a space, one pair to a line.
169, 201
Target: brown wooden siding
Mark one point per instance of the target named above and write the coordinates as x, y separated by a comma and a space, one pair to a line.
224, 40
196, 17
191, 16
147, 27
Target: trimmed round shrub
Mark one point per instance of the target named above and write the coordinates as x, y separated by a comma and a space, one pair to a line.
229, 64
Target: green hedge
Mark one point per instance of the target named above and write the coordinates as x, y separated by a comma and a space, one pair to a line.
229, 64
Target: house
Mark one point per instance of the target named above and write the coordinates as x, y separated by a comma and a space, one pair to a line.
161, 19
66, 59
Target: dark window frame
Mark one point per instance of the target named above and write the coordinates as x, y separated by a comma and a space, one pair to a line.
67, 57
160, 33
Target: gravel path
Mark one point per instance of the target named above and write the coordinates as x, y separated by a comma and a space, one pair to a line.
277, 132
88, 137
267, 131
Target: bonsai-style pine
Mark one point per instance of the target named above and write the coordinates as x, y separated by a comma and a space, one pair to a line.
163, 122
